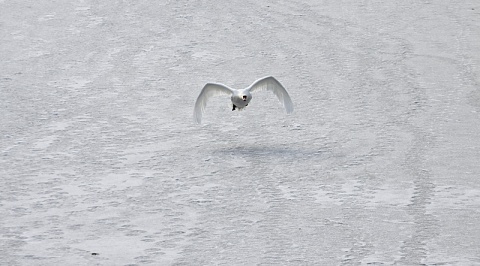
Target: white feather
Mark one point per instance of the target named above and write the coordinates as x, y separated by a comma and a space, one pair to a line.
214, 89
209, 90
273, 85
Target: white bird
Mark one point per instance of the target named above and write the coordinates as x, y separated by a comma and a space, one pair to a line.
241, 98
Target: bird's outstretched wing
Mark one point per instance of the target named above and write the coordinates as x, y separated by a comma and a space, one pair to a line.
273, 85
209, 90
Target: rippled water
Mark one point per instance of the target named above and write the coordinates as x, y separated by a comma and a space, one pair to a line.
101, 163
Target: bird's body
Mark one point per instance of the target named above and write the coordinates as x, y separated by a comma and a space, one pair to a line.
241, 98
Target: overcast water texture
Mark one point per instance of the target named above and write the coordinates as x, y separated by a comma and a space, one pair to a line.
102, 164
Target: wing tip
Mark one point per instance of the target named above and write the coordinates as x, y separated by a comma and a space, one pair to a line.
197, 117
289, 109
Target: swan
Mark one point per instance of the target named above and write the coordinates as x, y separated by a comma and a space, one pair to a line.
241, 98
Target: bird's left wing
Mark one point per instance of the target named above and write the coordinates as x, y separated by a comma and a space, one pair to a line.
273, 85
209, 90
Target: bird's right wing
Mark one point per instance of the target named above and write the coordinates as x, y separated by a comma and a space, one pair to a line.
209, 90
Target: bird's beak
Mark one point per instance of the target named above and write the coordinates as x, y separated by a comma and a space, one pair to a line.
244, 97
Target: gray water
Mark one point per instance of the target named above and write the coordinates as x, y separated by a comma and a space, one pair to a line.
102, 164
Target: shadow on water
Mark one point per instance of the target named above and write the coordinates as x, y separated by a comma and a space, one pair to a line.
278, 152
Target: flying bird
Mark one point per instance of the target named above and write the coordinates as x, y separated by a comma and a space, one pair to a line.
241, 98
